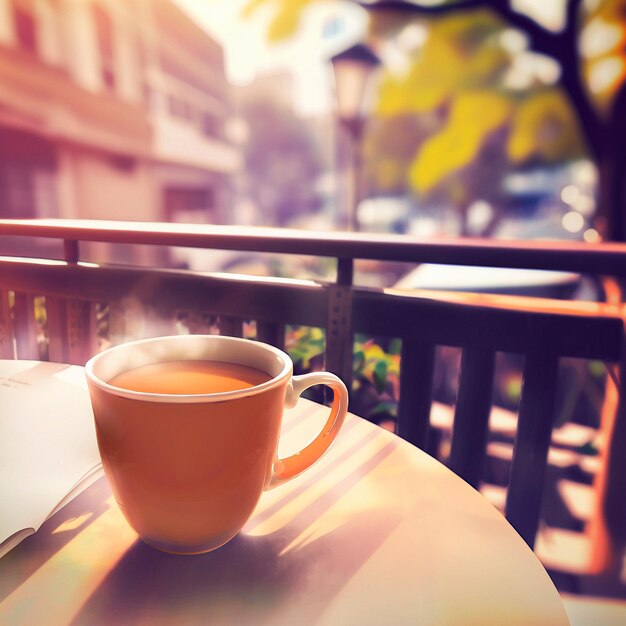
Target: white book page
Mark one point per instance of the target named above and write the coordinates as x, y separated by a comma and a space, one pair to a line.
48, 448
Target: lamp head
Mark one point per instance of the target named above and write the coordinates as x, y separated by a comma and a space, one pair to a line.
352, 69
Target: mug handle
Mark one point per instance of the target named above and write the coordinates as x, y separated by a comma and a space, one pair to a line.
285, 469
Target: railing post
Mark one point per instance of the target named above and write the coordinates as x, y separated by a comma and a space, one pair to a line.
272, 333
25, 327
417, 366
230, 326
71, 322
471, 417
6, 327
339, 340
532, 440
70, 250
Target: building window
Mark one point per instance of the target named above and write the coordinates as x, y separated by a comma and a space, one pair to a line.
18, 196
211, 126
27, 175
104, 39
188, 112
25, 28
149, 96
28, 191
190, 205
175, 106
207, 83
181, 109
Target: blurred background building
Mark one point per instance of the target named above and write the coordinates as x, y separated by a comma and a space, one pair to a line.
112, 110
190, 105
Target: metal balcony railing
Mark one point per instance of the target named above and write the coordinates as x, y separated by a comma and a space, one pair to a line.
73, 292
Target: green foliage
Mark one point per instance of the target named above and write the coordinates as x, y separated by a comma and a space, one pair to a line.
303, 344
597, 369
512, 388
376, 371
376, 377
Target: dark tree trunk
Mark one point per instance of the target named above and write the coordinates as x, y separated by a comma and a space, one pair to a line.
612, 171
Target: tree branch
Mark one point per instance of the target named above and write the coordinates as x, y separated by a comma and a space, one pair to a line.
561, 46
541, 39
571, 80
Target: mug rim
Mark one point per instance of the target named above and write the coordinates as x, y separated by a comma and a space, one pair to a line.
221, 396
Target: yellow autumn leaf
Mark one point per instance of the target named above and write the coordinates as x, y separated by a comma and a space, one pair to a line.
487, 65
251, 7
285, 20
435, 77
374, 351
461, 51
469, 26
473, 116
393, 97
316, 334
544, 126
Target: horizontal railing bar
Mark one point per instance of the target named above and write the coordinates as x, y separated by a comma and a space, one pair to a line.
477, 319
497, 328
576, 333
602, 258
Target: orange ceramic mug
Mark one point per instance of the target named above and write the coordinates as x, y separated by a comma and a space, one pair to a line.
187, 469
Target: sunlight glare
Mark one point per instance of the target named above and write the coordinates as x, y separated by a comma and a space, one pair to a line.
72, 523
71, 575
530, 67
412, 37
585, 173
513, 41
591, 235
249, 55
599, 37
394, 59
550, 15
585, 205
33, 261
573, 222
605, 73
569, 194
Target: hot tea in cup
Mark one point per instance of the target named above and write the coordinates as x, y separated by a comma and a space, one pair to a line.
189, 377
188, 430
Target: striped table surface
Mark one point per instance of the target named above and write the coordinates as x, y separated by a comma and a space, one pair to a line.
377, 532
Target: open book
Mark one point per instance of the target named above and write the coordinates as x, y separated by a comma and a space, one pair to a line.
48, 449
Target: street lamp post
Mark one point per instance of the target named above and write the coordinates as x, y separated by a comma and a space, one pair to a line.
353, 69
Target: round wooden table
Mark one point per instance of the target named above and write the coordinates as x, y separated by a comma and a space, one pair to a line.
377, 532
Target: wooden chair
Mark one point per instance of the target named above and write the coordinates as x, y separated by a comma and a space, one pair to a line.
148, 301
